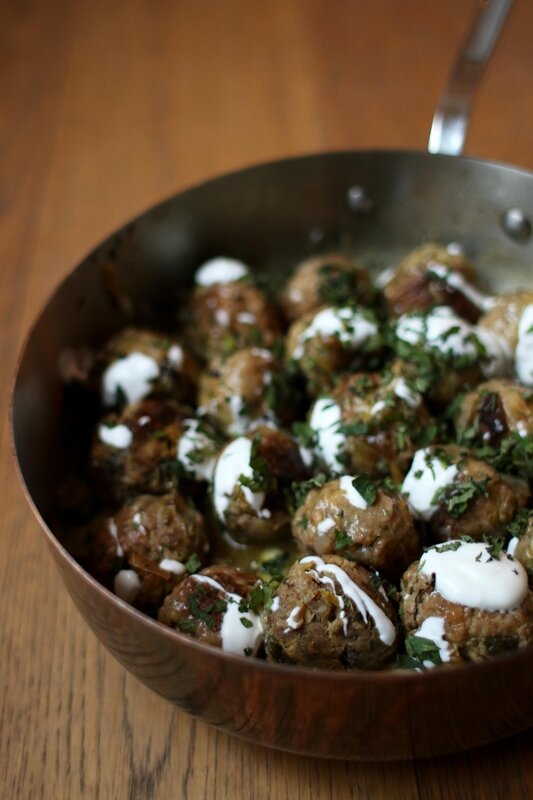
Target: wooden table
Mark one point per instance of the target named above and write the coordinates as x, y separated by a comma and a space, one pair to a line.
108, 107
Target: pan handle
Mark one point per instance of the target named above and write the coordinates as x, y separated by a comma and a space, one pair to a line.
450, 123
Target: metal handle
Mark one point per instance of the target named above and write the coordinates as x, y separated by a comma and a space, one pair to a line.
450, 123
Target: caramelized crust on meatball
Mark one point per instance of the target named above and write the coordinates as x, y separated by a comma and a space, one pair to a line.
330, 613
331, 278
166, 369
212, 607
381, 535
226, 317
415, 287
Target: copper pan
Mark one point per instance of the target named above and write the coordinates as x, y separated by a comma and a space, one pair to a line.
378, 204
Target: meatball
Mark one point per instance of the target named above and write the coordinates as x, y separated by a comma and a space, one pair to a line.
457, 495
97, 548
235, 392
382, 421
442, 354
495, 420
225, 317
137, 363
512, 318
365, 524
156, 534
468, 600
216, 606
135, 451
331, 278
521, 543
330, 613
324, 343
432, 276
248, 484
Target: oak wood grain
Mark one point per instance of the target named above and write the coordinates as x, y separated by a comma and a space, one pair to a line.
107, 107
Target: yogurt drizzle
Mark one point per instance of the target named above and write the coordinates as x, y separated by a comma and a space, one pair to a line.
236, 637
233, 462
427, 475
351, 327
524, 348
325, 421
132, 375
220, 270
471, 576
329, 573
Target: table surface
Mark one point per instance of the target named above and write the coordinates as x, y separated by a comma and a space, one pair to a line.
108, 107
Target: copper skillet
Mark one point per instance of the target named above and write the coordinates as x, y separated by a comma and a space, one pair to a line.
379, 204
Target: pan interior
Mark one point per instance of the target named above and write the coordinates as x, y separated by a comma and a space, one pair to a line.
269, 216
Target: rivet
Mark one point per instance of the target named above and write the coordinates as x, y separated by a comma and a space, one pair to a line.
516, 225
358, 200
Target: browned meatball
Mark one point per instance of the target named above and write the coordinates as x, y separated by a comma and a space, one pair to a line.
512, 319
214, 606
504, 317
250, 476
235, 392
469, 602
330, 613
135, 451
325, 279
375, 528
494, 409
442, 354
226, 317
137, 363
157, 534
96, 547
416, 284
383, 422
332, 340
458, 495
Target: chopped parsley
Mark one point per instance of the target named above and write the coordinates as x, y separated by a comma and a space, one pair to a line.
420, 650
342, 540
300, 490
192, 564
519, 524
461, 494
260, 478
366, 487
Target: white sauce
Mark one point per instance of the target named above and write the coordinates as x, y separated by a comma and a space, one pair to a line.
235, 637
354, 497
433, 333
276, 602
471, 577
246, 318
112, 528
364, 604
405, 393
513, 544
220, 270
325, 421
222, 317
457, 282
455, 249
378, 407
119, 436
350, 326
295, 619
175, 356
433, 629
133, 375
191, 441
524, 348
385, 277
127, 585
420, 491
233, 462
171, 565
325, 525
